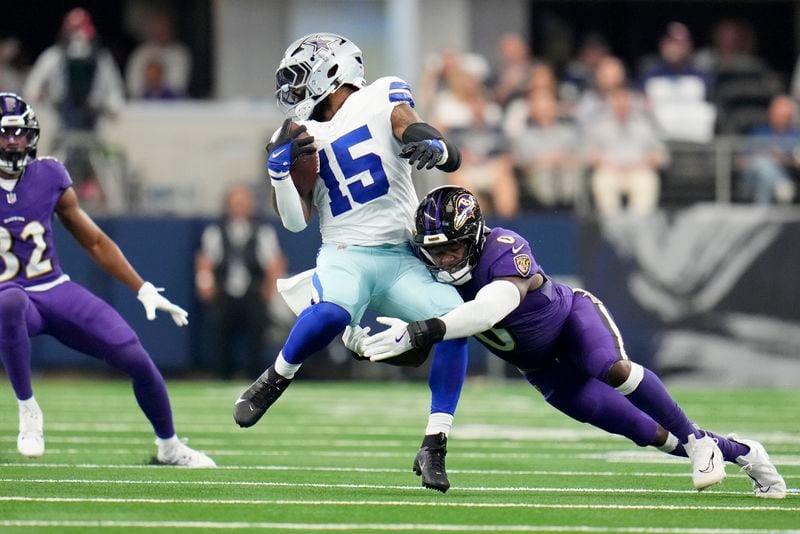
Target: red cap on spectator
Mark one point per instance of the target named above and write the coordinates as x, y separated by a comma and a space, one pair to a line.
79, 20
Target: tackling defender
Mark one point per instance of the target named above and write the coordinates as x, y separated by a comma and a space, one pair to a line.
37, 297
562, 339
363, 135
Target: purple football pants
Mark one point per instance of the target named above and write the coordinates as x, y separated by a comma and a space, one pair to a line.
82, 321
575, 382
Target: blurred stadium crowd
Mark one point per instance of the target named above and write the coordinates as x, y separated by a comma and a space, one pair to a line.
591, 134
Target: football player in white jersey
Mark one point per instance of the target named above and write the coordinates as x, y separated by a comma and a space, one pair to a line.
367, 138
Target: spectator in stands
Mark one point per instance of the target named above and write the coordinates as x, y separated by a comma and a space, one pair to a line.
545, 155
772, 157
677, 91
579, 73
236, 270
79, 78
439, 68
155, 87
513, 69
464, 114
625, 154
11, 75
593, 103
542, 82
160, 48
77, 75
743, 83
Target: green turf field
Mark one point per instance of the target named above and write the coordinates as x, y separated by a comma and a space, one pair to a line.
337, 457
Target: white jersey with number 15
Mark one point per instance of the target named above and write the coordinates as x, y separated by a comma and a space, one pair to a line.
364, 194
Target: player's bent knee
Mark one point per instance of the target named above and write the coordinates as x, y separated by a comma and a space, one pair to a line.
131, 358
633, 374
13, 302
618, 373
331, 314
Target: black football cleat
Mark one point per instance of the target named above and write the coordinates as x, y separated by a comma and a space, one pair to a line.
253, 403
429, 462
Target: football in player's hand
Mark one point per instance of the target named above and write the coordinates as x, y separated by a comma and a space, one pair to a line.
305, 168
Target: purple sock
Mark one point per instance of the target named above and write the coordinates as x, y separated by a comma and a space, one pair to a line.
15, 344
730, 449
652, 397
678, 451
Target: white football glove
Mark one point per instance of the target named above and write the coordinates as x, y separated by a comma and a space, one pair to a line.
151, 300
354, 337
389, 343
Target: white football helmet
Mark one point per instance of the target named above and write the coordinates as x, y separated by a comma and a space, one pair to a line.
313, 67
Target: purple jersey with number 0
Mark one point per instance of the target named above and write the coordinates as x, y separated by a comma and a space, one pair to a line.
27, 251
527, 337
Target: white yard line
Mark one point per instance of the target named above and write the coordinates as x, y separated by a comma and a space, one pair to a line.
420, 527
301, 502
615, 456
502, 489
336, 469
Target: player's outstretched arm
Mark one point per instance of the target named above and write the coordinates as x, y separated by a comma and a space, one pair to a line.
105, 253
423, 145
492, 303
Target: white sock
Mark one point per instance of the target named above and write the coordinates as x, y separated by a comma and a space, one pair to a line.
30, 403
439, 422
166, 442
670, 444
284, 368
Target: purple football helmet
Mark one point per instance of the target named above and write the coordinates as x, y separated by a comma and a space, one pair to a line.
449, 214
17, 120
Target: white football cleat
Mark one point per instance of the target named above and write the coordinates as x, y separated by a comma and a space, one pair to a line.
767, 482
708, 465
176, 452
30, 441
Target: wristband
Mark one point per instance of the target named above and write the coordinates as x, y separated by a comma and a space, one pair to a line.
426, 333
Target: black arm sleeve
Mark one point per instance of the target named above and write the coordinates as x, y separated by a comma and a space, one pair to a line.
420, 131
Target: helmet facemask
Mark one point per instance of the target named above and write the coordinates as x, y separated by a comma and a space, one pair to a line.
312, 68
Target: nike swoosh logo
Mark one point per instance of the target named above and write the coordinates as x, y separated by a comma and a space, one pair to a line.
514, 250
278, 153
710, 466
398, 339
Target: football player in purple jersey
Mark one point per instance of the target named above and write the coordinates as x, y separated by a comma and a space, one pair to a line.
562, 339
37, 297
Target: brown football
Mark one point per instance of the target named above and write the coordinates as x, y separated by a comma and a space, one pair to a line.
304, 170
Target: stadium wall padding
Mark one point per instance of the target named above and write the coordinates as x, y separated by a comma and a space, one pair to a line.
706, 294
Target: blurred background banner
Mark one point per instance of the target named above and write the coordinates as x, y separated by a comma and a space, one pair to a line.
707, 294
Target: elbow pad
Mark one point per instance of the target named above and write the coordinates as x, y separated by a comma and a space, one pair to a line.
420, 131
